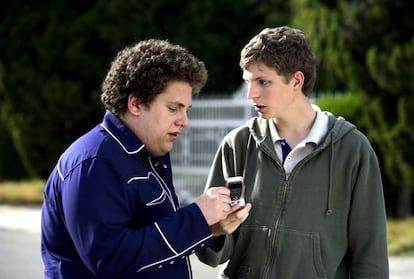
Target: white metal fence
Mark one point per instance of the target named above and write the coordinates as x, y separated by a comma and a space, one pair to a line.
210, 119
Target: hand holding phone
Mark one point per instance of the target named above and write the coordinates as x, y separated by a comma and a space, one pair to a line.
236, 186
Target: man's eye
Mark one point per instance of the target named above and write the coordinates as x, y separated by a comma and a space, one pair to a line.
173, 109
264, 82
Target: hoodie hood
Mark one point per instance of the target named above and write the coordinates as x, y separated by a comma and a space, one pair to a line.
337, 128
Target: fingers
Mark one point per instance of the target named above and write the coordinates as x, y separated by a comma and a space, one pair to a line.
223, 195
241, 210
215, 204
243, 213
219, 191
240, 214
233, 220
216, 208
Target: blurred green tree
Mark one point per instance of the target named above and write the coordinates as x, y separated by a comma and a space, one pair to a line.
367, 46
54, 55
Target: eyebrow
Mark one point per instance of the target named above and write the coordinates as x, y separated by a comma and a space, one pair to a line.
261, 77
181, 105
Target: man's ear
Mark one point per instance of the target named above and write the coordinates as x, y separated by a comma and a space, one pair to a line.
298, 79
134, 104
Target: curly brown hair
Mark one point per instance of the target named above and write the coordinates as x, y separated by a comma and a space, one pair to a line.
145, 69
284, 49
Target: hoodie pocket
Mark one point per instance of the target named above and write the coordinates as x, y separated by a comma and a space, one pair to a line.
250, 252
298, 255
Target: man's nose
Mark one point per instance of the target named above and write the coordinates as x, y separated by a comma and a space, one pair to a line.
251, 91
183, 120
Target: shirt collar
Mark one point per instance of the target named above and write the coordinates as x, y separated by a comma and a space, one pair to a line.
273, 131
128, 141
319, 128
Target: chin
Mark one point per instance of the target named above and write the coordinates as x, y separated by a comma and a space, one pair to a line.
166, 150
264, 116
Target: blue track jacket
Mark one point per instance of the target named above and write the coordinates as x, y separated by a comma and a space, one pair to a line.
110, 211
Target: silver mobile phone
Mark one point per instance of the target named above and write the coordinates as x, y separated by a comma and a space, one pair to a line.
236, 186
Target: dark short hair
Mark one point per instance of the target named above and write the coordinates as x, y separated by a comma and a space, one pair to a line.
145, 69
284, 49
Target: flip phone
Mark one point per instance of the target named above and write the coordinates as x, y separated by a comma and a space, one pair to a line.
236, 186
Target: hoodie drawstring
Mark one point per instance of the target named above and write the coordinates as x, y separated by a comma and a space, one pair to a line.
329, 210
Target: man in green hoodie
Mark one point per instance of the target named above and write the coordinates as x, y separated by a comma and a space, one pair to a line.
313, 180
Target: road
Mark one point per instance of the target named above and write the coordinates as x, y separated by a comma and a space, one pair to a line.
20, 249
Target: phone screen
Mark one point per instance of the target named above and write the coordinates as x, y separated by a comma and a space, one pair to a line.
236, 186
235, 190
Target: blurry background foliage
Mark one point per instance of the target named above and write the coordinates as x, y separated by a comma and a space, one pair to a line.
54, 55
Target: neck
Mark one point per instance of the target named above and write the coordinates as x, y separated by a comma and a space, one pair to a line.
296, 127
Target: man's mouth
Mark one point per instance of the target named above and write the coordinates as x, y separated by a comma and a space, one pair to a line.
174, 135
259, 108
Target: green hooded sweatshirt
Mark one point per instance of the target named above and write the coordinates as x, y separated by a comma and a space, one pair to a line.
325, 220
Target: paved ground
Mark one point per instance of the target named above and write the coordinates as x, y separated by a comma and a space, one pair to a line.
27, 219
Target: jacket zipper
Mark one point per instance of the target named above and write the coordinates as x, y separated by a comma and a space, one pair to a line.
276, 226
276, 229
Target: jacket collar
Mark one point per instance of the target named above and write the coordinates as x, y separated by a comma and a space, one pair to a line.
128, 141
